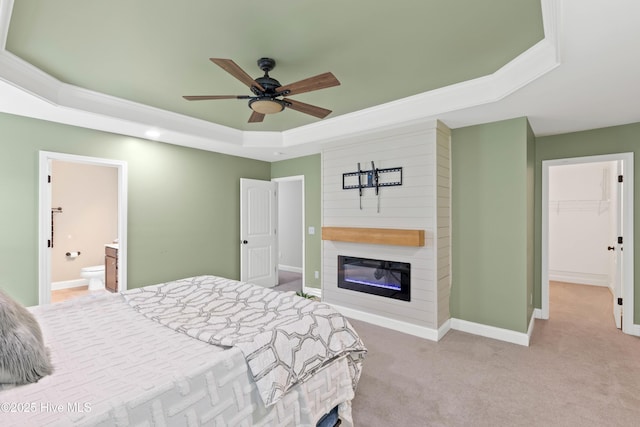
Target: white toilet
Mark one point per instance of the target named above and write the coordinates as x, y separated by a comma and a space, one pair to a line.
95, 275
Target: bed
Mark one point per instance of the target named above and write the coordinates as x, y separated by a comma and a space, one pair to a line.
199, 351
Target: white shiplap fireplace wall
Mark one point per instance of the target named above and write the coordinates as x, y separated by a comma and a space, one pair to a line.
422, 202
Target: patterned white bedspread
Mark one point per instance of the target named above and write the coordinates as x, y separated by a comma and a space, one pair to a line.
284, 338
114, 367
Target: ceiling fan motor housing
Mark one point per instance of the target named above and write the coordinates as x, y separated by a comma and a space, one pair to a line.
269, 84
266, 102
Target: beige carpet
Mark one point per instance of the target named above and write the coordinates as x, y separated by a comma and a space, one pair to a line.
578, 371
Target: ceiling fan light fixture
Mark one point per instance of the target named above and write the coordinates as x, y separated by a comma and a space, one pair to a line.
269, 94
266, 105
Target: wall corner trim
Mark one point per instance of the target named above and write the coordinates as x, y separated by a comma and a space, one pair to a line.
442, 330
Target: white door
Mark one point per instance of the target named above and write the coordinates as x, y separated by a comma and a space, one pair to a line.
258, 238
617, 251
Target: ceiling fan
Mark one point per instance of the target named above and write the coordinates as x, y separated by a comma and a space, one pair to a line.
268, 94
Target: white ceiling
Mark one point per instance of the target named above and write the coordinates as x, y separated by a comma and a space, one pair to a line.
581, 76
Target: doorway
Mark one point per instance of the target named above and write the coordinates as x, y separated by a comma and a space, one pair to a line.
272, 234
50, 243
610, 197
291, 236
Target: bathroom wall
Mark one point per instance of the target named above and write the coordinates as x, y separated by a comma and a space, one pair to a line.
88, 196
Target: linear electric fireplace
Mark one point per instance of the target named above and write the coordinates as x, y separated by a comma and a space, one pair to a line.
373, 276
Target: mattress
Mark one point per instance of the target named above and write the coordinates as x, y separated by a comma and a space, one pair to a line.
116, 367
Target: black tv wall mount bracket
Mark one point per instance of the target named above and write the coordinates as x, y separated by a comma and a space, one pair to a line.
372, 178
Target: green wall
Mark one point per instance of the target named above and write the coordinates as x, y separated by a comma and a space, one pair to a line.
492, 224
531, 228
308, 166
184, 208
495, 268
183, 203
618, 139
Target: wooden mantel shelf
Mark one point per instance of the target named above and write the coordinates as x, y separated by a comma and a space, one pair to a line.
376, 236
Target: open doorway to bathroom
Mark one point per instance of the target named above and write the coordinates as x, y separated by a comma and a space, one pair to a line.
82, 219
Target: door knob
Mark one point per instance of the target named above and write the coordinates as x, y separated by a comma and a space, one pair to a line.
244, 242
611, 248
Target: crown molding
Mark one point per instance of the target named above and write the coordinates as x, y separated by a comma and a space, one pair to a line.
44, 97
6, 7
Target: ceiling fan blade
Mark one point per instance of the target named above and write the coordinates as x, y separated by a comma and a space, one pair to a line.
232, 68
256, 117
318, 112
321, 81
207, 97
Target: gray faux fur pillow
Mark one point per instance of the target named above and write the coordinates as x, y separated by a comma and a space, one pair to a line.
23, 356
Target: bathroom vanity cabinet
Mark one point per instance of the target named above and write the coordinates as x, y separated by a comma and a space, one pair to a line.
111, 269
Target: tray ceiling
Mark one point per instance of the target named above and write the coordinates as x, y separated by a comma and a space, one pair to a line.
123, 67
154, 51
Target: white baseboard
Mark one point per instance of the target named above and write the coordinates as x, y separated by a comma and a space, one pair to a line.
396, 325
442, 330
290, 268
635, 330
437, 334
493, 332
579, 278
532, 322
316, 292
501, 334
67, 284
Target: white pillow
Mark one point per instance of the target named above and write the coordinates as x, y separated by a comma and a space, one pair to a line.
23, 356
